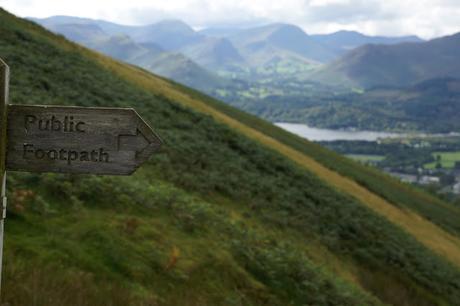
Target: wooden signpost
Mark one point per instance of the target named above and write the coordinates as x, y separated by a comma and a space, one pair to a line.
77, 140
4, 82
85, 140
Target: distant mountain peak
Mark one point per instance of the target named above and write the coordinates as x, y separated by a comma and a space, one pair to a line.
452, 38
289, 30
280, 29
80, 32
400, 64
212, 52
174, 25
225, 50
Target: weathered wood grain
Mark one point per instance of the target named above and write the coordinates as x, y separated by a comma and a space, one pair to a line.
4, 82
77, 140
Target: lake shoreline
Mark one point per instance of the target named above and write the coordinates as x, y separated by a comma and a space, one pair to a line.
320, 134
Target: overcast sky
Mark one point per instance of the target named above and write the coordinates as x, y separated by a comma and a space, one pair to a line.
425, 18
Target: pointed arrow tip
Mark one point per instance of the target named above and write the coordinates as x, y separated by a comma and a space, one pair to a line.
152, 142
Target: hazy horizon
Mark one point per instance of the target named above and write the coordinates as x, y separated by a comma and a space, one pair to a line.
223, 27
426, 19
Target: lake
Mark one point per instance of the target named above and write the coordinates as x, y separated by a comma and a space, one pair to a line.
316, 134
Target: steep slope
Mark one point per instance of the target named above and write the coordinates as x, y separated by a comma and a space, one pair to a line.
214, 54
153, 58
343, 41
169, 34
272, 40
54, 21
148, 55
396, 65
122, 47
233, 210
173, 37
386, 191
79, 32
220, 32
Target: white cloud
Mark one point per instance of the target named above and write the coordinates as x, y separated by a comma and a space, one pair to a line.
426, 18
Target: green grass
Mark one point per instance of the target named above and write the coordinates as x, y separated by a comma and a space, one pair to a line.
215, 218
447, 160
401, 195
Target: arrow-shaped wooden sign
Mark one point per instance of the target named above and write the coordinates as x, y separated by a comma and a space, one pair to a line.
68, 140
77, 139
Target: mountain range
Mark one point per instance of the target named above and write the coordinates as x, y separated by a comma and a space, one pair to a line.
232, 211
396, 65
115, 41
343, 41
237, 52
281, 73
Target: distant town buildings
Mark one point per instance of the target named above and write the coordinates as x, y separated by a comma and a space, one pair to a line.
456, 188
414, 179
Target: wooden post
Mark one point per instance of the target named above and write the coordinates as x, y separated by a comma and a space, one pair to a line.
4, 87
109, 141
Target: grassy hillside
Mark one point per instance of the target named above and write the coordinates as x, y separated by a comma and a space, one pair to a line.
430, 106
396, 65
397, 194
232, 211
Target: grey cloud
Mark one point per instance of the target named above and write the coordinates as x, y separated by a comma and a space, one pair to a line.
426, 18
145, 15
352, 11
200, 14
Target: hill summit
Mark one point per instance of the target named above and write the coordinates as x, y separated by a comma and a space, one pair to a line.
397, 65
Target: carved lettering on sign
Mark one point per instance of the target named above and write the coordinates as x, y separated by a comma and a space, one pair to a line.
53, 124
99, 155
77, 139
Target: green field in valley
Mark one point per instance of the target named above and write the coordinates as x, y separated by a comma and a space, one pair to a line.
447, 160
